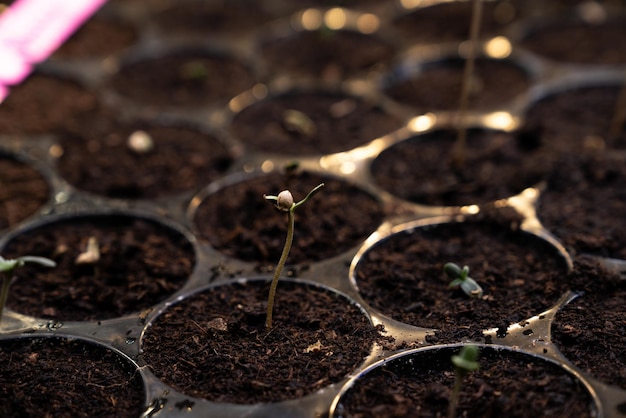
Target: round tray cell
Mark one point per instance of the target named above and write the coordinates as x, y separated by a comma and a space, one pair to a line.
214, 344
239, 222
577, 120
301, 123
141, 263
141, 160
449, 21
590, 331
507, 384
183, 78
100, 36
436, 86
327, 54
23, 191
200, 17
44, 104
496, 165
402, 276
579, 41
52, 376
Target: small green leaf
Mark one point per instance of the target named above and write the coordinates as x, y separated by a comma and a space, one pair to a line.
467, 358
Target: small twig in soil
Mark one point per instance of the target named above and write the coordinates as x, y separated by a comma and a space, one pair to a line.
458, 149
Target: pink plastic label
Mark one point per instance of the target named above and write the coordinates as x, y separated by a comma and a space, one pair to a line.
30, 30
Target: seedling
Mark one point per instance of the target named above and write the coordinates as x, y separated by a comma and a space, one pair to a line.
284, 202
460, 145
90, 256
464, 363
298, 122
140, 142
460, 278
7, 267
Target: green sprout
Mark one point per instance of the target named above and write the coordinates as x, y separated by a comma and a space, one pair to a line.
7, 267
460, 278
284, 202
464, 362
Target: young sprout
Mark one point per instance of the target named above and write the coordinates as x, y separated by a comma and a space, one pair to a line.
460, 278
7, 267
90, 256
296, 121
140, 142
284, 202
464, 363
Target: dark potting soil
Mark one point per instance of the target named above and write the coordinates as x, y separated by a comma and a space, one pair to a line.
507, 384
211, 18
214, 345
100, 160
448, 22
43, 104
437, 85
580, 42
183, 78
340, 123
98, 37
327, 54
583, 202
590, 331
55, 377
497, 165
239, 222
23, 191
403, 277
141, 263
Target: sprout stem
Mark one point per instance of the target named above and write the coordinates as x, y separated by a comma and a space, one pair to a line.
458, 150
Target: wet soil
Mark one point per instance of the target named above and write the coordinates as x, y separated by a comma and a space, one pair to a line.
239, 222
521, 275
55, 377
141, 263
214, 345
340, 123
23, 191
506, 384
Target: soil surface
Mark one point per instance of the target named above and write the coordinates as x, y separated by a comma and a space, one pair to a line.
507, 384
326, 54
580, 42
521, 275
591, 330
141, 263
183, 78
239, 222
54, 377
497, 165
199, 17
339, 123
425, 25
44, 104
98, 37
583, 202
214, 345
101, 161
437, 86
23, 191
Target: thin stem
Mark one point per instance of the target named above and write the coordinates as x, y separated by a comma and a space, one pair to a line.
458, 151
454, 398
279, 267
4, 292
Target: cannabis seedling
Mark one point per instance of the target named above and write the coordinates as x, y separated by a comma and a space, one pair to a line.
284, 202
7, 267
460, 278
464, 363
